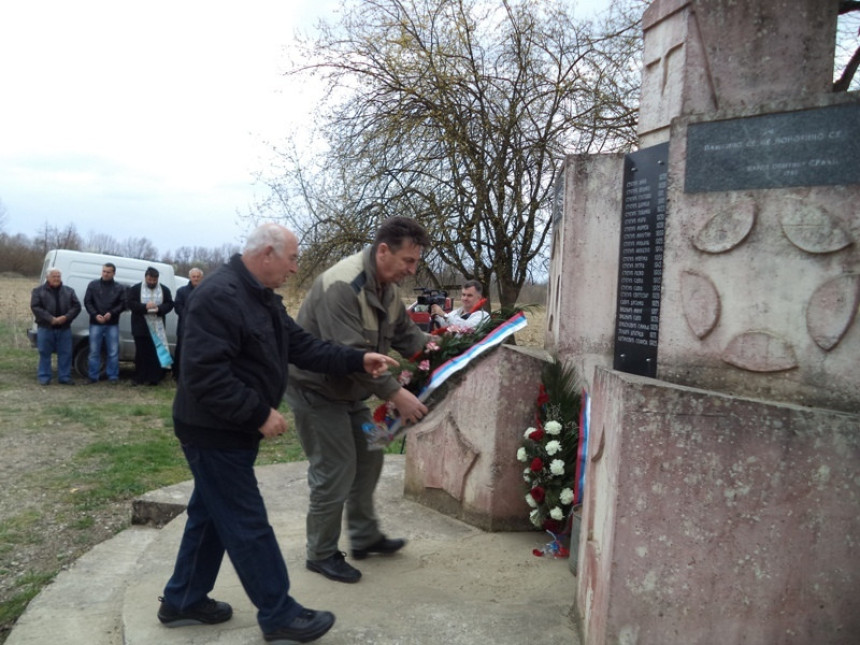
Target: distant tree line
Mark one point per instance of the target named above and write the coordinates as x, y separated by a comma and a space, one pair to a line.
24, 255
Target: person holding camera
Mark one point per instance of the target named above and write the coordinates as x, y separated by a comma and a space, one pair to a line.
471, 312
357, 303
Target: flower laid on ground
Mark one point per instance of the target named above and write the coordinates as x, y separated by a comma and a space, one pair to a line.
549, 449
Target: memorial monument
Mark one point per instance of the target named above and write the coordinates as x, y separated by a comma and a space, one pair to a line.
707, 287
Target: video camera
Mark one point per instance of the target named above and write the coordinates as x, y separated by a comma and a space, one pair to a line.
430, 297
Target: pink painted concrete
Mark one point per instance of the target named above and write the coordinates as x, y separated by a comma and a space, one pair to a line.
583, 282
461, 460
784, 284
705, 56
714, 519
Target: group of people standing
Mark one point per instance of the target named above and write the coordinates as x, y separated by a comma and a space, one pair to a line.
236, 344
56, 305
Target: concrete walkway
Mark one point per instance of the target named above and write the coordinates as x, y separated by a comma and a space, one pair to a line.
452, 584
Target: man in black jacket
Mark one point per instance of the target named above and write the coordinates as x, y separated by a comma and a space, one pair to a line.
104, 302
195, 275
237, 342
55, 306
149, 302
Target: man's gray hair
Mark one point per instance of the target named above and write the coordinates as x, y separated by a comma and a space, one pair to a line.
268, 234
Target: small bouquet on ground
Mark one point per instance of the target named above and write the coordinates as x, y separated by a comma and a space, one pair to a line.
549, 451
447, 353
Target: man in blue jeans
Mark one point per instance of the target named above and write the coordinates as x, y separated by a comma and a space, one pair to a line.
104, 302
55, 306
236, 345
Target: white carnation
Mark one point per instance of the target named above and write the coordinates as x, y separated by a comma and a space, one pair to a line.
553, 447
566, 496
534, 516
528, 432
556, 467
521, 454
552, 427
556, 513
531, 500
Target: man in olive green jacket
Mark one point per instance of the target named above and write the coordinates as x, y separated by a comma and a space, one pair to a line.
356, 303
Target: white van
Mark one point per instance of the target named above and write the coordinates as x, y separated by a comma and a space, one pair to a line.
78, 270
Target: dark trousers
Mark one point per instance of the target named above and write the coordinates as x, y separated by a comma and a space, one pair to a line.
226, 512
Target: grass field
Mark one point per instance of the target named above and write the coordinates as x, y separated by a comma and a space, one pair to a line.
73, 458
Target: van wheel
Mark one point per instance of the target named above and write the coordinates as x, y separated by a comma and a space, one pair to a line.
81, 361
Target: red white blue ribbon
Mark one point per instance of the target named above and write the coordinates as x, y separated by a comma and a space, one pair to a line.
380, 435
582, 448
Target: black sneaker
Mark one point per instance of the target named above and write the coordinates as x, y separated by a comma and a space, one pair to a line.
308, 626
383, 546
206, 612
335, 567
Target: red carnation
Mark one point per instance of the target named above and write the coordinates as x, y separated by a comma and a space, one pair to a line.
554, 526
543, 397
536, 434
537, 465
538, 494
380, 413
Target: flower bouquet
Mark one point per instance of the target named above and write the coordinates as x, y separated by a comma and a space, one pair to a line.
549, 450
447, 352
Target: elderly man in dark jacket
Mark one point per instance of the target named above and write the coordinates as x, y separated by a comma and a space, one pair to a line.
237, 342
55, 306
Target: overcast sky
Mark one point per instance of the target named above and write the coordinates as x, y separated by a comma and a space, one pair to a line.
146, 119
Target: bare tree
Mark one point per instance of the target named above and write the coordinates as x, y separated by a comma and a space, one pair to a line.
103, 243
457, 113
50, 237
187, 257
846, 43
138, 247
19, 254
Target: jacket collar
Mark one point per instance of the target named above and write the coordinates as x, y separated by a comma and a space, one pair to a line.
383, 292
262, 293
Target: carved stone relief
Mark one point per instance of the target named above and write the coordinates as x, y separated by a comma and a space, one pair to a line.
830, 310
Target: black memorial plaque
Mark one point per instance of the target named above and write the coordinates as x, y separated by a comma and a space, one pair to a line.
815, 147
640, 271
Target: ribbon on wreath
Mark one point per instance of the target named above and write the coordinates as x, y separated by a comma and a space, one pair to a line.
385, 430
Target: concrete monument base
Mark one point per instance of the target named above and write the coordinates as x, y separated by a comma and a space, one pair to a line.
711, 518
461, 460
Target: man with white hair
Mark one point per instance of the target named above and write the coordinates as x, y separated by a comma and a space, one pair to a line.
55, 306
237, 342
195, 275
